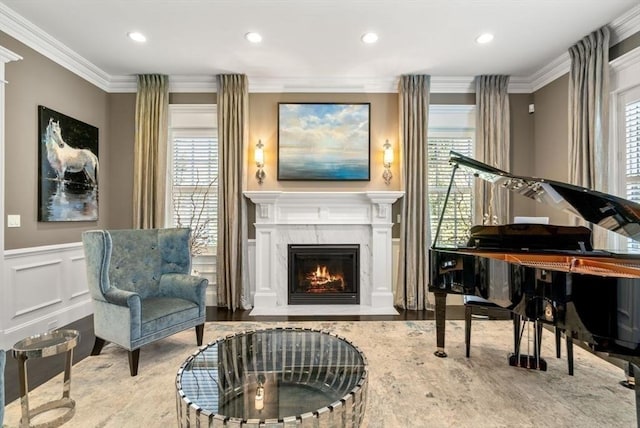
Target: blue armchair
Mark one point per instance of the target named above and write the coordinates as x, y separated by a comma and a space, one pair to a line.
141, 287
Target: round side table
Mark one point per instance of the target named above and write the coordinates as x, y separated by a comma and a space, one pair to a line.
41, 346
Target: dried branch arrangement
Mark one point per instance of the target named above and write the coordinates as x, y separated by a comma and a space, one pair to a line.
196, 218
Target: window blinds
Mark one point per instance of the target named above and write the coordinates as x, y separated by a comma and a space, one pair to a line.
194, 176
456, 221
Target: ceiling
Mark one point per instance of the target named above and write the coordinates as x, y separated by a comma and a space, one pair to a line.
314, 40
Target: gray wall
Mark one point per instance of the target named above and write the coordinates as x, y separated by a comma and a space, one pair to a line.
522, 148
122, 111
38, 81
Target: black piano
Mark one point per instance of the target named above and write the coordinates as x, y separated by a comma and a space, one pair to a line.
547, 273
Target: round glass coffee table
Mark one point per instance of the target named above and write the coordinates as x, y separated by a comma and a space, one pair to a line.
276, 377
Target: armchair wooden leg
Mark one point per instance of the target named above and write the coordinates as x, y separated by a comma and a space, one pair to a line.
134, 358
97, 346
199, 334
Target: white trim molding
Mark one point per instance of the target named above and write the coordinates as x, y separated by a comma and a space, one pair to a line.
33, 36
362, 218
43, 288
625, 25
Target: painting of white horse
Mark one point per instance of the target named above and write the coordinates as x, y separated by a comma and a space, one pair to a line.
68, 186
62, 157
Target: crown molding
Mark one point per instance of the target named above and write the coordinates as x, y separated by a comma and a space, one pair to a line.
204, 84
620, 28
26, 32
625, 25
34, 37
630, 58
7, 56
550, 72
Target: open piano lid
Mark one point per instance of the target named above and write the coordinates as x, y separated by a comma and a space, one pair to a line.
610, 212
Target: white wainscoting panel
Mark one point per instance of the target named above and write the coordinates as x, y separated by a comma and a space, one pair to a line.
44, 288
205, 266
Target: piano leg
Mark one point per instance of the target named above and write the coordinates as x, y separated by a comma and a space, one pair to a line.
441, 316
569, 353
634, 365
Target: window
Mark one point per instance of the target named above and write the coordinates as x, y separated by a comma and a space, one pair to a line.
451, 128
632, 154
624, 138
192, 196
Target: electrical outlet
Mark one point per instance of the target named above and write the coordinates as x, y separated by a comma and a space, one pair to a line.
13, 220
398, 219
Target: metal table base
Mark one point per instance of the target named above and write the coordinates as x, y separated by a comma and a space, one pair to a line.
41, 346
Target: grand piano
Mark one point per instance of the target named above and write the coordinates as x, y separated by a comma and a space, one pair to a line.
548, 274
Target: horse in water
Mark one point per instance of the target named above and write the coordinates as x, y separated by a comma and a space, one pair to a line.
64, 158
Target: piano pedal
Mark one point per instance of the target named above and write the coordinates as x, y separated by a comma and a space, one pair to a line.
629, 383
528, 362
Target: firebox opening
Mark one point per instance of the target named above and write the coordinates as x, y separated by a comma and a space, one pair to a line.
324, 274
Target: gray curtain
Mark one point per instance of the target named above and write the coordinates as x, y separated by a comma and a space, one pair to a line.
233, 116
493, 146
150, 151
413, 270
588, 110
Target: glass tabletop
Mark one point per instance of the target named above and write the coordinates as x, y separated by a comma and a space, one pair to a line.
273, 374
46, 344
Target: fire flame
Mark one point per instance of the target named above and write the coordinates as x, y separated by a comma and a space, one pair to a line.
321, 276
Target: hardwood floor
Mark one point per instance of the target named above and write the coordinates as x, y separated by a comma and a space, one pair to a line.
41, 370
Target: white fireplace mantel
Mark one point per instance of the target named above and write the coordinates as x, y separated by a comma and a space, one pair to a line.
284, 218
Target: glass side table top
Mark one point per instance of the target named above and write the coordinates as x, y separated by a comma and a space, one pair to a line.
274, 375
46, 344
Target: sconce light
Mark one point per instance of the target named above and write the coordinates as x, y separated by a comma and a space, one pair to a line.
259, 401
387, 160
258, 155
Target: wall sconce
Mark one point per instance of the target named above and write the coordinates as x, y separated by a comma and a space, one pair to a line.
259, 401
258, 156
387, 160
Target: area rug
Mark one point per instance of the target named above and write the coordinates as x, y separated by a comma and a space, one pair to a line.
408, 385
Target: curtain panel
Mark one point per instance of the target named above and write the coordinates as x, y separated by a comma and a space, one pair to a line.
233, 116
150, 151
493, 146
589, 110
413, 271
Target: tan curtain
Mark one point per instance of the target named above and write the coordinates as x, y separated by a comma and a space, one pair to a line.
413, 271
233, 116
588, 110
493, 146
150, 151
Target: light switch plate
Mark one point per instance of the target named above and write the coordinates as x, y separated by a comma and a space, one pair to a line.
13, 220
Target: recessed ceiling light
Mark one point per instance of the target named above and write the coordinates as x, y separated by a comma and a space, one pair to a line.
369, 38
484, 38
138, 37
253, 37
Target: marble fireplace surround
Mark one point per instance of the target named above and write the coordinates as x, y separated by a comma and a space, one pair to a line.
362, 218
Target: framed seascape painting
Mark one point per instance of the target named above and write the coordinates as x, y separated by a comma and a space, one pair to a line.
67, 168
323, 141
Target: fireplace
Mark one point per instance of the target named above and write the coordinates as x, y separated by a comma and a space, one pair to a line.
323, 274
314, 218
